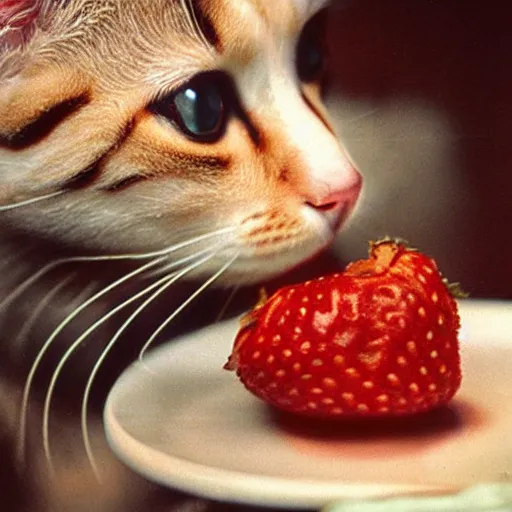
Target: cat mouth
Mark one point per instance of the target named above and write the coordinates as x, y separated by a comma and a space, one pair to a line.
336, 215
272, 243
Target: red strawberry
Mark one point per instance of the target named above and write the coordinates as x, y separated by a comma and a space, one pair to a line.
379, 339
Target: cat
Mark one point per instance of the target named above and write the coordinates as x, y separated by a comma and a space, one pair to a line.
144, 143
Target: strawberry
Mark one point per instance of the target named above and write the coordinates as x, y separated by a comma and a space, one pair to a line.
379, 339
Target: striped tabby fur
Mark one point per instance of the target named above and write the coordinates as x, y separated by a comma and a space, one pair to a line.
102, 181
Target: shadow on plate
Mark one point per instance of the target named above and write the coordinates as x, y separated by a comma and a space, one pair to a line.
370, 435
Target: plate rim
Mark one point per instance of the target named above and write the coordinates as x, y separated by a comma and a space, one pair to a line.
264, 490
208, 482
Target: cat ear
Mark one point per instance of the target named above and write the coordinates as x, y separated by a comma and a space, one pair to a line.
17, 21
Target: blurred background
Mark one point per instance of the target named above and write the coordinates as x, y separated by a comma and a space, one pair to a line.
421, 95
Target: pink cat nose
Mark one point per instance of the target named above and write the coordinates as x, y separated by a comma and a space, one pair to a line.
344, 196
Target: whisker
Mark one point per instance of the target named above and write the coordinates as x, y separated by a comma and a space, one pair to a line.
51, 339
83, 295
113, 340
26, 202
12, 259
226, 305
11, 297
181, 245
185, 304
47, 299
358, 117
92, 328
28, 383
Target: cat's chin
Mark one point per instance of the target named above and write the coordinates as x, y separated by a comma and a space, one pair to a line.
256, 270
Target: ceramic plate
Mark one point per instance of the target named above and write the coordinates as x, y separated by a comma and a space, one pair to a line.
181, 420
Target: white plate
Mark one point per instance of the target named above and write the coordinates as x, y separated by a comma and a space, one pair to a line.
182, 421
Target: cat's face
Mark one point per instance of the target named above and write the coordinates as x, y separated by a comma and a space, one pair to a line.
162, 121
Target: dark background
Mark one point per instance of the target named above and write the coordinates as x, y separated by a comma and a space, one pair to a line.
422, 97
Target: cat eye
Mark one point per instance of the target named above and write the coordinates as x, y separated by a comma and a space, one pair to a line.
310, 49
198, 109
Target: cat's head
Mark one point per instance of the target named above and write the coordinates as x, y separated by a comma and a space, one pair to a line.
153, 122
